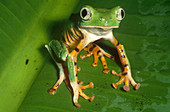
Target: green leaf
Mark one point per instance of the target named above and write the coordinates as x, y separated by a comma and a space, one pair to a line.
25, 26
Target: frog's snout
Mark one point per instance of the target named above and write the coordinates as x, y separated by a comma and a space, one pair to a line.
105, 21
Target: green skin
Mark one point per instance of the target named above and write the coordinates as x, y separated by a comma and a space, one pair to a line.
108, 15
58, 49
101, 18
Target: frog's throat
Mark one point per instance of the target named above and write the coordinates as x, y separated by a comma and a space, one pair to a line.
95, 26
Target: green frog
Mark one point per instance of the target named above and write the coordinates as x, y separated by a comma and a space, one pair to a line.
91, 25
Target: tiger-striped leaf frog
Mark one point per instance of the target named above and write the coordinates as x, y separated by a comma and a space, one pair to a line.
92, 24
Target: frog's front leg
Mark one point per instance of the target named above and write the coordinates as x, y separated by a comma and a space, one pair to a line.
53, 90
98, 53
52, 47
125, 76
76, 87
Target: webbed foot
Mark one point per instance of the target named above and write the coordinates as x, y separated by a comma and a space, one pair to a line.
77, 91
126, 78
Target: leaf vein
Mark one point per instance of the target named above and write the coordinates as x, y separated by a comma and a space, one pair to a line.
9, 11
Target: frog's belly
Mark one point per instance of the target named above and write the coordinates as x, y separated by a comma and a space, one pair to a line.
93, 34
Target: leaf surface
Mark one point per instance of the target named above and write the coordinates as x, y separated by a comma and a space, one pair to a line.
26, 25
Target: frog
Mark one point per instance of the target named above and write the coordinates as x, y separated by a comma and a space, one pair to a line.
84, 29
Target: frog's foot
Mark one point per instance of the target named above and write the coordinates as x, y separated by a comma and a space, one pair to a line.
126, 78
52, 91
77, 104
77, 90
90, 85
98, 53
106, 70
85, 96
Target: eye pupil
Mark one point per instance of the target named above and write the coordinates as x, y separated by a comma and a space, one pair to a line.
122, 13
84, 13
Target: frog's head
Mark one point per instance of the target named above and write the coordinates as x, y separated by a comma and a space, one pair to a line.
101, 18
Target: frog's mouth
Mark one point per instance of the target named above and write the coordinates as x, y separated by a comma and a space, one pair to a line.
102, 27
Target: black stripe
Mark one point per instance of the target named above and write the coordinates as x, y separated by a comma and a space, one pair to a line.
57, 86
111, 56
76, 33
123, 56
67, 37
74, 38
124, 73
94, 45
91, 48
77, 50
54, 89
98, 52
67, 45
125, 65
82, 36
75, 63
117, 44
72, 35
101, 56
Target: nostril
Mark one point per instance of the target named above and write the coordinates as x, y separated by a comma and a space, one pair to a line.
102, 19
105, 22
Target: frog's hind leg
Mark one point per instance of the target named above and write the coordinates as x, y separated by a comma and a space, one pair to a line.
90, 49
98, 53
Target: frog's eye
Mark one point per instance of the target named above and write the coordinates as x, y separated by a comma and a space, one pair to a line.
120, 14
85, 13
